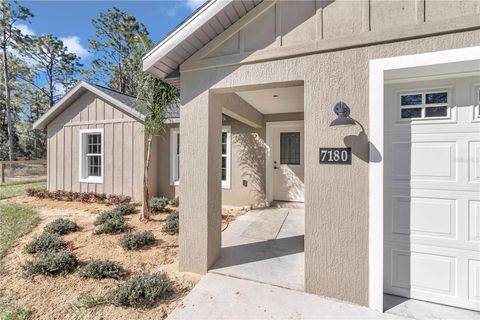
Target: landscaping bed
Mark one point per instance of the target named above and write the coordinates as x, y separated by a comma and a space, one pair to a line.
76, 296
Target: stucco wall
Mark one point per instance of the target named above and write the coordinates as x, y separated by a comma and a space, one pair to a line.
336, 199
123, 148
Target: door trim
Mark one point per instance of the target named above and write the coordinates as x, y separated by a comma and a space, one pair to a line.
377, 69
268, 155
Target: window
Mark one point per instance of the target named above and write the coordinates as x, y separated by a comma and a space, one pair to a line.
91, 155
431, 104
290, 148
175, 156
226, 152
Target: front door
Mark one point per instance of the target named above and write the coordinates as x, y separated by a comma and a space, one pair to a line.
287, 156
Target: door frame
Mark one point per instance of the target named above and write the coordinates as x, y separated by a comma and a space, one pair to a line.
268, 155
377, 69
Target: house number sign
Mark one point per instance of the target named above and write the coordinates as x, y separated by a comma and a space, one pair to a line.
335, 156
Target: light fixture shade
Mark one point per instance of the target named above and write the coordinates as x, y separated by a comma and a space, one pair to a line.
342, 122
343, 112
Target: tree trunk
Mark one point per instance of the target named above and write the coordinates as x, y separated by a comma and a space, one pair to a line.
145, 214
11, 147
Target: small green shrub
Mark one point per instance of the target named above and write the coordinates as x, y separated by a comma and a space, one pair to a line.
174, 202
108, 215
158, 204
141, 290
89, 300
171, 224
46, 242
61, 226
137, 239
125, 209
100, 269
52, 264
112, 226
12, 311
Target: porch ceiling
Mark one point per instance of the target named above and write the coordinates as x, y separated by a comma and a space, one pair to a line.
275, 100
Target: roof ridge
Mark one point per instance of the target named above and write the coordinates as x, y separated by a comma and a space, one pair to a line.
110, 89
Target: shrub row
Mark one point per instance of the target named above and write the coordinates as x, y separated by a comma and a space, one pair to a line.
61, 195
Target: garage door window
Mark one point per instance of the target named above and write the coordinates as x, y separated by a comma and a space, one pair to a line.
425, 105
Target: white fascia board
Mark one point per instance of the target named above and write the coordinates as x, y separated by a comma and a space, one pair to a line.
183, 32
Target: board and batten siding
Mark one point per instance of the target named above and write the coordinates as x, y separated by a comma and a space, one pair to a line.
124, 145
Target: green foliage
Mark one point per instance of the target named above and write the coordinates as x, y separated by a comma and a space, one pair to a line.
174, 202
89, 300
171, 225
115, 46
51, 264
53, 63
108, 215
141, 290
15, 221
125, 209
46, 242
11, 311
137, 239
100, 269
112, 226
158, 204
61, 226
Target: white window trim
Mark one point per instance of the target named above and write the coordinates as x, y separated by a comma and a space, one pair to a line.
174, 181
82, 163
226, 183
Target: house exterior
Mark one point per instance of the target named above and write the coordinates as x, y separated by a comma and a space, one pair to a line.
96, 143
394, 207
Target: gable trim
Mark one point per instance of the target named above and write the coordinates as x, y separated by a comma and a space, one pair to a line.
73, 95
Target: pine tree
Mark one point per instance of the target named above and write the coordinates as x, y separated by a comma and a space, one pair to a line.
10, 37
117, 36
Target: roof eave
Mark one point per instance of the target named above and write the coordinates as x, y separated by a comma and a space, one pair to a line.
182, 32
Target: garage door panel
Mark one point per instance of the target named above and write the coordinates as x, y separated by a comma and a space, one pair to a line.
431, 273
474, 161
474, 275
426, 210
433, 161
474, 221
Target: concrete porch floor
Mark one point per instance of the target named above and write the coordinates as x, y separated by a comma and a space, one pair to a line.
265, 245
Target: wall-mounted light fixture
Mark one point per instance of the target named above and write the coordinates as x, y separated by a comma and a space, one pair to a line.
343, 112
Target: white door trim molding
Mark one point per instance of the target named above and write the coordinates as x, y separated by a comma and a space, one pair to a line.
376, 122
268, 155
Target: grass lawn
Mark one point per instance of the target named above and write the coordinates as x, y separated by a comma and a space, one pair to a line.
15, 221
8, 190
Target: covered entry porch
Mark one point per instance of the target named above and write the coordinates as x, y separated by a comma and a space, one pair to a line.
275, 160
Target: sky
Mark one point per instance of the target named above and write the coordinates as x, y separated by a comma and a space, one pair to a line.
71, 20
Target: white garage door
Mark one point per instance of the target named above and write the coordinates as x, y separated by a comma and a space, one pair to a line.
432, 191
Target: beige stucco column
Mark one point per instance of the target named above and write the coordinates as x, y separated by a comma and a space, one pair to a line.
200, 182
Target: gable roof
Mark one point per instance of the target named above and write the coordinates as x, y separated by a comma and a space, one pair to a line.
126, 103
210, 20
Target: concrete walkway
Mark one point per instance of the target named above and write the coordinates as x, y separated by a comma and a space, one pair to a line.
222, 297
260, 275
265, 245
